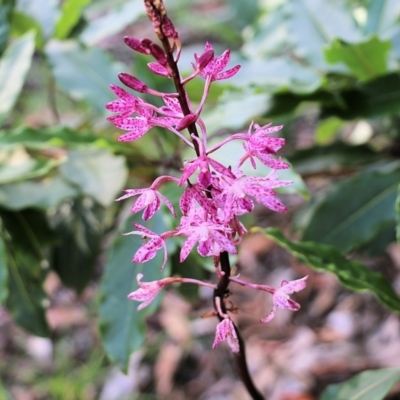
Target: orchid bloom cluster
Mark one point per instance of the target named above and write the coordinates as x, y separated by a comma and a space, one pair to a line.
214, 195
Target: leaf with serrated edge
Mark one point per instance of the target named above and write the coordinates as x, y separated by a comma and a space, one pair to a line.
351, 274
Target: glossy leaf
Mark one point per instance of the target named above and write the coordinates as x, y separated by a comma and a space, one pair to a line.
27, 170
382, 17
45, 12
112, 22
367, 385
378, 97
312, 24
59, 136
22, 23
41, 195
351, 274
98, 173
85, 74
71, 13
3, 272
365, 60
25, 253
80, 231
122, 327
332, 158
354, 210
14, 66
6, 8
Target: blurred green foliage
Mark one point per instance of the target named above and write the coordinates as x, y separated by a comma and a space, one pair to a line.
336, 63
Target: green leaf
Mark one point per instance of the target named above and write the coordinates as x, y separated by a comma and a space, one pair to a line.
312, 24
71, 13
22, 23
351, 274
365, 60
42, 195
3, 273
31, 168
122, 327
112, 22
398, 214
235, 110
368, 385
59, 136
378, 97
6, 7
85, 74
327, 130
14, 66
80, 230
45, 12
355, 210
332, 158
382, 17
98, 173
27, 235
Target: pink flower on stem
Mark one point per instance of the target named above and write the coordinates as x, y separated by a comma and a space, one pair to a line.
280, 296
263, 147
153, 243
226, 332
281, 299
213, 70
149, 200
211, 236
147, 291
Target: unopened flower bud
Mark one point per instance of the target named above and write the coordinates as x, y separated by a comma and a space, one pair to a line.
186, 121
132, 82
141, 46
158, 53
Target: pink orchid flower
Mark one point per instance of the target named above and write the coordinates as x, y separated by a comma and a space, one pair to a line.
226, 332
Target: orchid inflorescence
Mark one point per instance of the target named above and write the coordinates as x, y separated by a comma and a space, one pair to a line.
214, 195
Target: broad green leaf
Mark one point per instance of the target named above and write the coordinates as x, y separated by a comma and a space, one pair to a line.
327, 130
122, 327
59, 136
378, 97
113, 22
80, 230
398, 215
41, 195
71, 13
45, 12
332, 158
27, 236
367, 385
14, 66
235, 110
351, 274
354, 210
382, 17
6, 8
312, 24
3, 273
30, 169
365, 60
22, 23
85, 74
98, 173
277, 75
